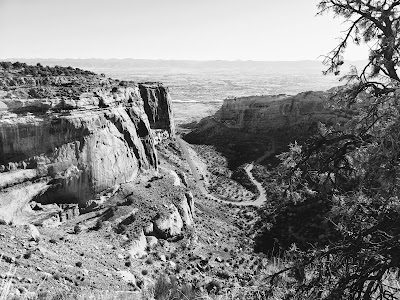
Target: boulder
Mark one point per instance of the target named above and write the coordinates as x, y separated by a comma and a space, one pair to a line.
169, 224
33, 232
148, 229
151, 241
127, 276
138, 246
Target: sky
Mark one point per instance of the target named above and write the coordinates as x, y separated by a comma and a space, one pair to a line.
266, 30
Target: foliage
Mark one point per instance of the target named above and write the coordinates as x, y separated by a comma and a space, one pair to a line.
376, 23
350, 172
167, 288
347, 176
42, 71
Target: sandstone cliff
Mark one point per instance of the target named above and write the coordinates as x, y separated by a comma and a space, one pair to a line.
66, 138
247, 127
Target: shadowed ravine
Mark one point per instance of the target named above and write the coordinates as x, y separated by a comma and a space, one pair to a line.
200, 183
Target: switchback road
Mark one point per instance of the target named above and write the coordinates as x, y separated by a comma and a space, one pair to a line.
200, 183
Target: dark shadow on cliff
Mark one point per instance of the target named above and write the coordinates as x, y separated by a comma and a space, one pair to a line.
240, 147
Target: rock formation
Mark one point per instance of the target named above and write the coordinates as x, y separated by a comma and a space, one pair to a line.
251, 126
64, 139
157, 105
170, 224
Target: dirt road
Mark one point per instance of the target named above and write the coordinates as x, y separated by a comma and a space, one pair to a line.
200, 183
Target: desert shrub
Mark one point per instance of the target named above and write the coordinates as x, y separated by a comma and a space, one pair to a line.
98, 225
6, 65
162, 288
213, 287
77, 229
167, 288
145, 272
121, 228
18, 65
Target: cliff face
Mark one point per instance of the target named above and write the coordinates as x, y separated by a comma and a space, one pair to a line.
259, 113
157, 105
89, 135
247, 127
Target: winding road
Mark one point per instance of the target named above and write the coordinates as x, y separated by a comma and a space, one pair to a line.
200, 183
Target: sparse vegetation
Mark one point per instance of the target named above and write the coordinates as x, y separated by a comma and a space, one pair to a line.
330, 229
334, 200
40, 70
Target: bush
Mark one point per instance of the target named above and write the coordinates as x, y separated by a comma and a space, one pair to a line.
77, 229
145, 272
6, 65
167, 288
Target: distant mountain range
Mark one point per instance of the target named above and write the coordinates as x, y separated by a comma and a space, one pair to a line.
310, 65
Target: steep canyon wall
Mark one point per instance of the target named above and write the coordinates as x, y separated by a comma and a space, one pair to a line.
247, 127
64, 139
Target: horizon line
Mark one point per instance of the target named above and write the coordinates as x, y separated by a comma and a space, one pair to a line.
183, 60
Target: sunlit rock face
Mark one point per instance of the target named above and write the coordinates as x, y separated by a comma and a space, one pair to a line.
86, 134
258, 113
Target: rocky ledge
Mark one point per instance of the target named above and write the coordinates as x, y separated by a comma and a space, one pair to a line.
67, 135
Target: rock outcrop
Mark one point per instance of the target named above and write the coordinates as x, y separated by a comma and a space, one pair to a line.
170, 224
253, 125
186, 208
258, 113
64, 139
157, 104
138, 245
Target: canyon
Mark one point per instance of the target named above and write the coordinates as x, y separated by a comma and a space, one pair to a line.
93, 170
66, 139
245, 128
118, 197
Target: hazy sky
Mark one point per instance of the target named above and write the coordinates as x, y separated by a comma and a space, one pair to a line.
168, 29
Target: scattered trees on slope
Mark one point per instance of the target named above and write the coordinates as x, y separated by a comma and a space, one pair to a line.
351, 171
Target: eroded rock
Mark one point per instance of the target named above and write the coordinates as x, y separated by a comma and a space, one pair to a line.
138, 246
65, 139
169, 224
185, 207
255, 125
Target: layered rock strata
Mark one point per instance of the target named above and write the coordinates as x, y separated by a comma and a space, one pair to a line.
86, 134
256, 124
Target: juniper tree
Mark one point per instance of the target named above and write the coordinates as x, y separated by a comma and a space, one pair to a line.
377, 24
352, 170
